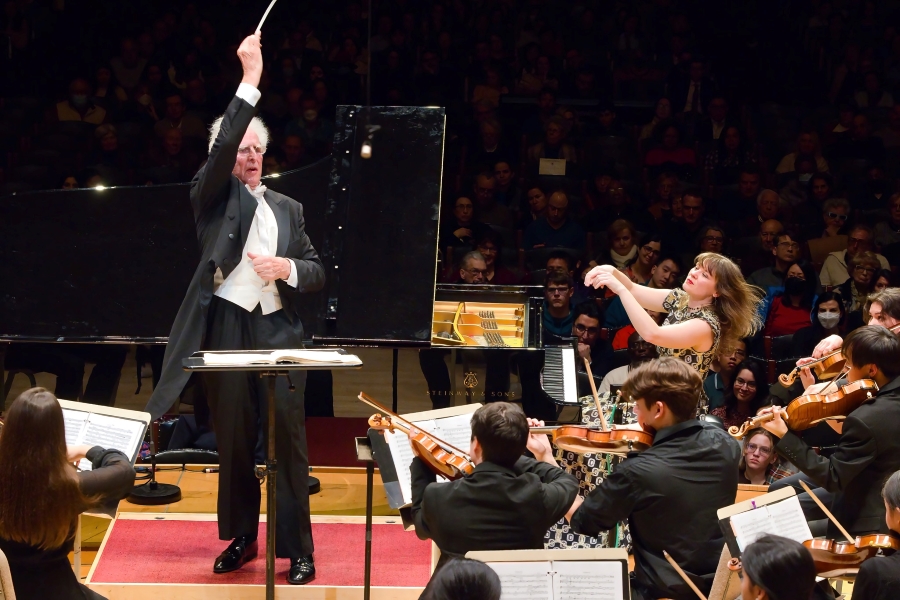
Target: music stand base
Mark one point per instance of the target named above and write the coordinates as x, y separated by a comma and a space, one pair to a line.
153, 493
314, 485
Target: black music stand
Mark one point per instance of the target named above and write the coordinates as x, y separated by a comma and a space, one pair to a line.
272, 372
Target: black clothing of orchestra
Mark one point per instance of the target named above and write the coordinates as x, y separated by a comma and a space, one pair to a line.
867, 453
878, 579
41, 574
670, 494
224, 210
494, 508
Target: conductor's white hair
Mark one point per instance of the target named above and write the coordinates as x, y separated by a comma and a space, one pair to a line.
257, 125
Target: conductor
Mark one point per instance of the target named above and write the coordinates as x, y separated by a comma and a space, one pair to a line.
245, 294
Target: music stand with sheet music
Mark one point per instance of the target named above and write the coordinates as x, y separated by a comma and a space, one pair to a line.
195, 363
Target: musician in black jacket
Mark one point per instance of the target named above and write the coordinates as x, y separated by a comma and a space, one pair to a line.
256, 261
670, 492
507, 503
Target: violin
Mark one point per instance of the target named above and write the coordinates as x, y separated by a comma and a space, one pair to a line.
441, 457
834, 555
808, 410
588, 440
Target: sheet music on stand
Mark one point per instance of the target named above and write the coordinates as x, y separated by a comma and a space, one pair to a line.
583, 574
106, 426
776, 513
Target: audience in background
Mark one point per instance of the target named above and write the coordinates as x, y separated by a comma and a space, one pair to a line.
748, 393
721, 372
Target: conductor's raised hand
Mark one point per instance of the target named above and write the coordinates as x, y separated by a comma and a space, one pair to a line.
250, 55
270, 267
604, 276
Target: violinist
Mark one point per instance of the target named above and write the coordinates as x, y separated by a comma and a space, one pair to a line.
883, 309
507, 503
879, 578
776, 568
670, 492
868, 450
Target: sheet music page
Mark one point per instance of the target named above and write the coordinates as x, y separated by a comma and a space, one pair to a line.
112, 433
783, 518
454, 430
588, 579
524, 580
74, 421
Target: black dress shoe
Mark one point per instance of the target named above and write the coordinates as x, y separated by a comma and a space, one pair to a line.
302, 570
236, 554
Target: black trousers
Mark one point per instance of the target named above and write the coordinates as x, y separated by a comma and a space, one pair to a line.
237, 403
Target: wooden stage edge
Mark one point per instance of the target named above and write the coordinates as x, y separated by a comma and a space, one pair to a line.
187, 591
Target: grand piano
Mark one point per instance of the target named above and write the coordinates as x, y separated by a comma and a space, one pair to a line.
111, 266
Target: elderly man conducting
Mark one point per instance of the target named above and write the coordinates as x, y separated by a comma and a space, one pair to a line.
245, 294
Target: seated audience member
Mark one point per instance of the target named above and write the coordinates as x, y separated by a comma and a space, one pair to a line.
640, 268
663, 276
556, 230
554, 145
536, 207
69, 182
461, 228
834, 269
795, 185
489, 244
807, 143
786, 308
879, 577
871, 192
597, 351
670, 154
682, 235
776, 568
737, 209
620, 340
890, 134
659, 209
746, 396
562, 261
491, 89
835, 212
711, 239
557, 314
849, 479
887, 231
759, 456
316, 131
871, 95
172, 160
463, 579
715, 126
721, 372
623, 249
859, 145
819, 190
639, 352
489, 210
884, 278
769, 206
732, 154
40, 504
508, 502
857, 288
756, 253
294, 154
662, 112
611, 203
670, 492
176, 118
828, 314
533, 126
488, 147
79, 106
508, 192
883, 308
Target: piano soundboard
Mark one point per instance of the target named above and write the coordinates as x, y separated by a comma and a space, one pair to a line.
481, 324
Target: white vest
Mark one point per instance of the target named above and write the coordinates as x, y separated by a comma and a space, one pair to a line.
243, 286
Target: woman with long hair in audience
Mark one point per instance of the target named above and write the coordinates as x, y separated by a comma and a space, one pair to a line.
786, 309
640, 267
759, 455
826, 319
42, 494
884, 278
776, 568
714, 306
879, 577
749, 392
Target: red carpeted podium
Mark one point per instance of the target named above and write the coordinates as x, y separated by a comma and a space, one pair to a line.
148, 556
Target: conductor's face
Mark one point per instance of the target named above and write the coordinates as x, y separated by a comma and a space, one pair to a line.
248, 166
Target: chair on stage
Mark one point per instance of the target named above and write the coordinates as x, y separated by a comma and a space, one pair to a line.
6, 585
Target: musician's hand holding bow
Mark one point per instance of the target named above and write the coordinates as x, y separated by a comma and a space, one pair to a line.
777, 425
606, 276
539, 444
827, 346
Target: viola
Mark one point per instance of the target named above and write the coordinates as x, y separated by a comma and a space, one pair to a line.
588, 440
808, 410
441, 457
833, 555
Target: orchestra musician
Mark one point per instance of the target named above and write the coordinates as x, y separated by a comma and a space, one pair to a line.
879, 578
245, 294
670, 492
715, 306
776, 568
868, 450
507, 503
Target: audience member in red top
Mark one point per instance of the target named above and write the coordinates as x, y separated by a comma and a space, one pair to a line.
620, 340
489, 243
789, 310
671, 154
747, 395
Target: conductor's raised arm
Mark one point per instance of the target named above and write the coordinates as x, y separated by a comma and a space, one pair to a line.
209, 186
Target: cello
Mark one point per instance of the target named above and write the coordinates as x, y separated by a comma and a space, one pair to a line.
441, 457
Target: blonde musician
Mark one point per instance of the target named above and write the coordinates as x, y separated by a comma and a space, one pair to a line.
714, 306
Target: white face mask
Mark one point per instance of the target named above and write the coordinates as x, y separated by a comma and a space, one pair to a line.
805, 177
829, 319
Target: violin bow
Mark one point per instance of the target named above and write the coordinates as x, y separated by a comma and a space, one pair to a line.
587, 367
684, 576
374, 404
827, 512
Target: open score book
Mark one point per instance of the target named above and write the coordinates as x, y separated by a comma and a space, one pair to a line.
273, 357
107, 427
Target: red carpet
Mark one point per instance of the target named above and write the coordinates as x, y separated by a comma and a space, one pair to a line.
183, 552
330, 440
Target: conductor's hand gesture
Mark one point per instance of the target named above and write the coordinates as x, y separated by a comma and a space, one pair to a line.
250, 55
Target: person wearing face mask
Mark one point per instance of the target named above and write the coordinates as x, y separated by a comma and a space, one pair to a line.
826, 319
795, 185
787, 310
78, 106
